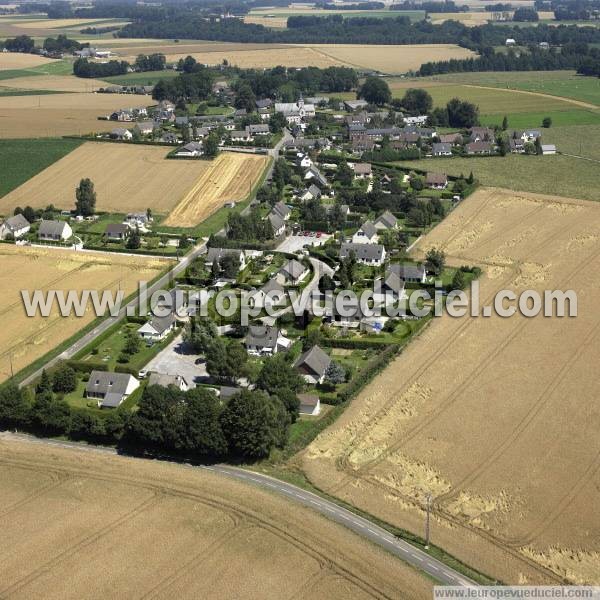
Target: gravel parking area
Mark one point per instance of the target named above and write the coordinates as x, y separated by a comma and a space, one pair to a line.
295, 243
177, 359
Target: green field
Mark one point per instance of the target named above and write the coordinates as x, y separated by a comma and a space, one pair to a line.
22, 159
557, 175
146, 78
560, 118
566, 84
17, 92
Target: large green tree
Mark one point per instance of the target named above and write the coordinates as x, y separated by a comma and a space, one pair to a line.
85, 198
417, 101
375, 90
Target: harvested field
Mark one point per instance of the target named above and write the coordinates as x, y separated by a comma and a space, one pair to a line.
17, 60
59, 83
230, 177
165, 531
388, 59
470, 19
133, 178
52, 115
26, 339
497, 418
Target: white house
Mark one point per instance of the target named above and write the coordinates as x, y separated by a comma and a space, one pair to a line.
548, 149
265, 339
510, 42
386, 221
418, 120
292, 273
110, 389
54, 231
310, 404
158, 328
166, 380
120, 133
271, 294
14, 227
372, 255
367, 234
192, 149
295, 112
408, 273
277, 223
219, 253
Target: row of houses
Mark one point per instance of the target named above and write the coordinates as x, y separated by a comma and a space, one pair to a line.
18, 226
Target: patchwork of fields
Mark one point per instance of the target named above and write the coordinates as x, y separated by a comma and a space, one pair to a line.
161, 530
24, 339
387, 59
497, 418
134, 178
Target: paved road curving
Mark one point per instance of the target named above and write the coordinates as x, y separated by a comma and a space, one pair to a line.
359, 525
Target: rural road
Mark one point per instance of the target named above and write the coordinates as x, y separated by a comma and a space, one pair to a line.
359, 525
111, 320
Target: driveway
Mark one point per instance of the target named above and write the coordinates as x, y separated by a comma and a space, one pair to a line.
295, 243
178, 359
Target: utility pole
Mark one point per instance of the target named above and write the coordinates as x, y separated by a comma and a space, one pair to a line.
428, 500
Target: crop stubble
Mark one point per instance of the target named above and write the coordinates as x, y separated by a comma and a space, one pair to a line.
162, 530
497, 418
24, 339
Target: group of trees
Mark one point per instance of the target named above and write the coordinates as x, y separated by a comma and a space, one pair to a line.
578, 56
189, 87
62, 44
525, 14
375, 91
248, 228
288, 84
431, 7
150, 62
21, 43
82, 67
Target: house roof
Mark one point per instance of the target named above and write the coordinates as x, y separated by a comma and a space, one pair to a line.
393, 282
387, 219
442, 147
52, 227
16, 222
262, 336
276, 221
116, 229
308, 400
436, 178
161, 324
362, 168
258, 128
264, 103
293, 268
239, 133
219, 253
479, 147
166, 380
105, 382
283, 210
315, 360
407, 271
314, 191
450, 138
272, 286
363, 251
192, 147
368, 229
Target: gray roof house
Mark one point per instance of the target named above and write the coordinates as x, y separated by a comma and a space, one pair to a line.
14, 227
259, 129
54, 230
165, 380
386, 220
292, 273
366, 234
277, 223
313, 192
442, 149
310, 404
263, 339
110, 389
437, 181
314, 173
366, 254
219, 253
157, 328
282, 210
313, 364
409, 273
117, 231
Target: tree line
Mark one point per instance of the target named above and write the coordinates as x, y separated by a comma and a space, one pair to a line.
580, 57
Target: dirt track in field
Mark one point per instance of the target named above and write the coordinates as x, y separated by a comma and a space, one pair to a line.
81, 525
497, 418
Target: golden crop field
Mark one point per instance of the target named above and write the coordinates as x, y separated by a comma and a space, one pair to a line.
230, 177
78, 524
52, 115
134, 178
388, 59
59, 83
18, 60
24, 339
497, 418
470, 19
